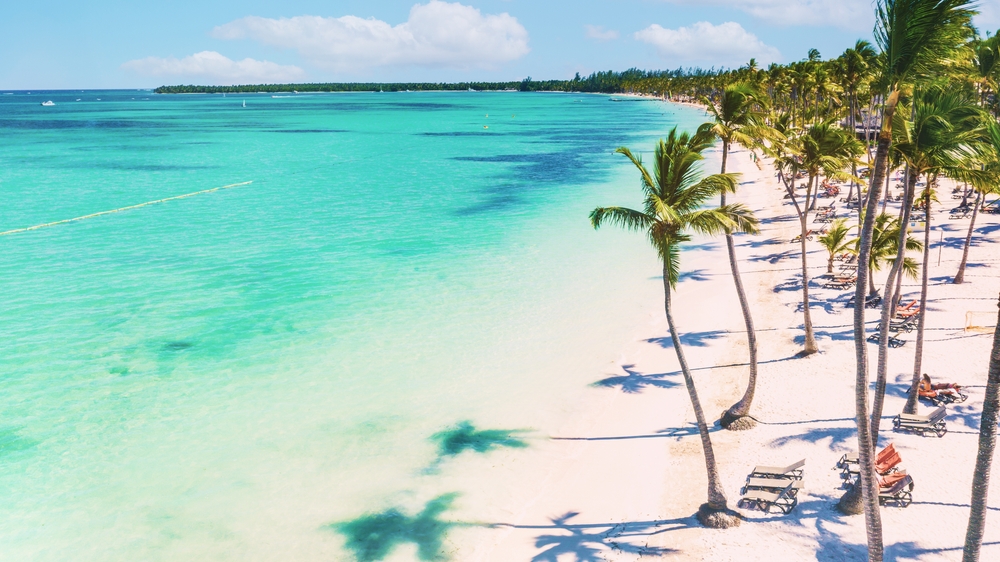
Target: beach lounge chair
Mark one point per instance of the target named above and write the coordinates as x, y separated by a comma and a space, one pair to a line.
934, 423
765, 499
793, 471
842, 281
886, 461
894, 341
898, 492
871, 301
772, 485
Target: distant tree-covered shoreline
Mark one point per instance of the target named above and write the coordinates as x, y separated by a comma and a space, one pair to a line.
608, 82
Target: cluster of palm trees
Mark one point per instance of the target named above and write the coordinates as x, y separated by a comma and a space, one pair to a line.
924, 101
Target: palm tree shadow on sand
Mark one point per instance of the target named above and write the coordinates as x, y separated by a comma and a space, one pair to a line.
589, 541
635, 382
373, 537
465, 437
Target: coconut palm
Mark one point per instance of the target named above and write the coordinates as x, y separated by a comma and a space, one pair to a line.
674, 197
990, 183
823, 150
835, 241
984, 458
943, 136
740, 118
916, 37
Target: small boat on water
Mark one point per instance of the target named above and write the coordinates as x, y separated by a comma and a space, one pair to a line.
49, 103
244, 103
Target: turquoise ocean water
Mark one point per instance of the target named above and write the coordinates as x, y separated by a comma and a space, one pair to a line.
222, 376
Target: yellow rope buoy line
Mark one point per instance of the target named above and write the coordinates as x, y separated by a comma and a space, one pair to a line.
120, 209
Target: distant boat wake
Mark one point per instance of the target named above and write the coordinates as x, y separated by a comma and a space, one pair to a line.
120, 209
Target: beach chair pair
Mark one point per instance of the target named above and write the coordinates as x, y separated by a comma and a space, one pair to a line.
933, 423
773, 486
886, 462
809, 236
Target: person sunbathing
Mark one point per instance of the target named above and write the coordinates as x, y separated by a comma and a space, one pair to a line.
926, 389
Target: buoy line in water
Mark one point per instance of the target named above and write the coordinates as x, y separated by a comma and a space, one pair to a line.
120, 209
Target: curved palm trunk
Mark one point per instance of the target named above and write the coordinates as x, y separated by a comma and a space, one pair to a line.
740, 409
889, 300
810, 343
869, 488
716, 496
918, 355
960, 276
984, 458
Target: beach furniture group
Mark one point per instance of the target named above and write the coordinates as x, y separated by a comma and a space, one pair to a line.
904, 320
895, 485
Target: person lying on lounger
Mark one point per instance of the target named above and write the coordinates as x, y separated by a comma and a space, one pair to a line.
928, 390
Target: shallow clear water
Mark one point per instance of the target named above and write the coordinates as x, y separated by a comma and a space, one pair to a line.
220, 376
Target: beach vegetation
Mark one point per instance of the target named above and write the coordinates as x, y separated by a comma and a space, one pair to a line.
674, 199
740, 116
836, 242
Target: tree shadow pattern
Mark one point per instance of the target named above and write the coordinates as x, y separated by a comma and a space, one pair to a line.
372, 537
635, 382
465, 437
587, 542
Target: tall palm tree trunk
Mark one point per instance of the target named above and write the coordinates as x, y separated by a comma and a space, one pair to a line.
869, 487
810, 343
737, 416
889, 299
918, 354
984, 458
960, 276
716, 495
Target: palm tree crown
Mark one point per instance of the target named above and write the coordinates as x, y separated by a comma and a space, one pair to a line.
673, 201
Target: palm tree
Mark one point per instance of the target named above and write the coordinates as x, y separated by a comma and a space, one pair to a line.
739, 117
835, 241
822, 150
984, 458
943, 136
916, 37
672, 208
990, 184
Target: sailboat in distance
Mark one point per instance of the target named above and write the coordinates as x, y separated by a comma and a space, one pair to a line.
244, 103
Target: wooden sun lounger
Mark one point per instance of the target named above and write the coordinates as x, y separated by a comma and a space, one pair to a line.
764, 500
934, 423
793, 471
772, 485
894, 341
899, 493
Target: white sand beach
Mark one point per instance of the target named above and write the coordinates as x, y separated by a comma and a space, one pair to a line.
623, 477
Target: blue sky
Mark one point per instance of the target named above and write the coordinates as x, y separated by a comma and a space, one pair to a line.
116, 43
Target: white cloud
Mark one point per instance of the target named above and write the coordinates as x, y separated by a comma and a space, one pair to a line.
855, 15
598, 32
437, 34
216, 68
726, 44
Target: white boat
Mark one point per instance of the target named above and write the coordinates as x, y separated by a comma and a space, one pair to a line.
49, 103
244, 103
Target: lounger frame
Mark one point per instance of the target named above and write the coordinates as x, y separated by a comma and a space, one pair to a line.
934, 423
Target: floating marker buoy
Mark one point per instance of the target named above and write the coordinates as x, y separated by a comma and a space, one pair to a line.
486, 126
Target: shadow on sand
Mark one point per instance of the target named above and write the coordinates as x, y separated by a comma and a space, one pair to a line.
589, 542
